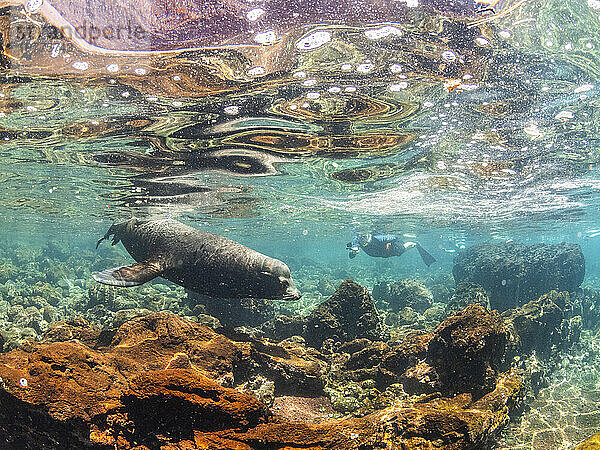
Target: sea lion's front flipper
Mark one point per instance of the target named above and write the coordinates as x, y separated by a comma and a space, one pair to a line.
128, 276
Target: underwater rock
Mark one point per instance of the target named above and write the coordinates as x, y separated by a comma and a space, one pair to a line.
303, 409
403, 293
30, 317
546, 325
402, 356
591, 443
513, 274
234, 312
327, 285
283, 327
465, 294
76, 328
7, 272
348, 314
125, 315
131, 393
467, 349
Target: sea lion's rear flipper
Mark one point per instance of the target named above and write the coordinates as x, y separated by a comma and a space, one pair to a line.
425, 256
128, 276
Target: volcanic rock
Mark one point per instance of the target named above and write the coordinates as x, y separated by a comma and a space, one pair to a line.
154, 383
467, 349
234, 312
403, 293
513, 274
348, 314
546, 325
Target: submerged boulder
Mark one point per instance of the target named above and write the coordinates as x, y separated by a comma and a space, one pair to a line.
546, 325
161, 381
234, 312
348, 314
403, 293
465, 294
513, 274
467, 350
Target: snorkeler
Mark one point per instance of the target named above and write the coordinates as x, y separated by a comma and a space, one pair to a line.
385, 246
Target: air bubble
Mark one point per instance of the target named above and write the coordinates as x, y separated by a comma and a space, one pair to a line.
365, 68
449, 56
112, 68
256, 71
254, 14
584, 88
314, 40
33, 5
80, 65
398, 86
378, 33
266, 38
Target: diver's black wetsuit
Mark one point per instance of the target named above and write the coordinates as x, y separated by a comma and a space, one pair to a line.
382, 245
385, 246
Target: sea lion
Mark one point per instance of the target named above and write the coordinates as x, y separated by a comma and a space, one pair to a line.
200, 261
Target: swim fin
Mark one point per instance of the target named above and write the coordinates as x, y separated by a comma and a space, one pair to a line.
425, 256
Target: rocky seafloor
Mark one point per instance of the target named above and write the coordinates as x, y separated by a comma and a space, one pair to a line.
449, 361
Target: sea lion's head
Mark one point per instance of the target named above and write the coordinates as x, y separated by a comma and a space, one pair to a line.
278, 282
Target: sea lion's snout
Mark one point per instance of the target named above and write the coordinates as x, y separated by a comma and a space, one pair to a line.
291, 292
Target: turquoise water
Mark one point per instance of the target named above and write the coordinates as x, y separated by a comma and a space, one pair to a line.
296, 126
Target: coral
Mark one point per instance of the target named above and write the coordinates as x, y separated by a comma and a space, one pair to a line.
7, 272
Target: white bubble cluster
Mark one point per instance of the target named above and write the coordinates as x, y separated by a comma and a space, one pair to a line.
449, 56
314, 40
399, 86
365, 68
80, 65
254, 14
256, 71
232, 110
378, 33
112, 68
395, 68
584, 88
140, 71
266, 38
33, 5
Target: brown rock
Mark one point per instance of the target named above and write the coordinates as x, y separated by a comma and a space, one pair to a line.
348, 314
121, 396
467, 349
